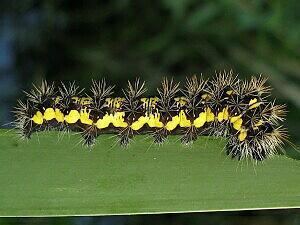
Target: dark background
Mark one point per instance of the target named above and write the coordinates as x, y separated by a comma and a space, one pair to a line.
123, 39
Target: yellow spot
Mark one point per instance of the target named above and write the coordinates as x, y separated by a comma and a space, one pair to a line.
181, 101
145, 102
105, 121
38, 118
235, 118
153, 102
49, 114
229, 92
206, 97
59, 116
114, 102
171, 125
224, 115
118, 120
85, 101
72, 117
237, 124
209, 115
252, 101
242, 135
108, 102
184, 122
76, 100
259, 123
84, 117
220, 116
117, 102
139, 123
154, 120
255, 105
200, 121
149, 103
57, 99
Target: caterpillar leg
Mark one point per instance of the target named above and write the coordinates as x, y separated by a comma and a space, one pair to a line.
89, 135
259, 155
160, 136
233, 149
261, 146
125, 137
238, 150
189, 136
89, 140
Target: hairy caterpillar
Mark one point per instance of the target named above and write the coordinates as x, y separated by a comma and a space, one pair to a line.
223, 106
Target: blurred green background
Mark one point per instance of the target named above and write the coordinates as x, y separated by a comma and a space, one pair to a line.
124, 39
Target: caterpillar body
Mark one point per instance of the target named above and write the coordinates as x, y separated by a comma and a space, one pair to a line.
223, 106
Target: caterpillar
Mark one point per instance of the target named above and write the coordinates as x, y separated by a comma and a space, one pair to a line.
223, 106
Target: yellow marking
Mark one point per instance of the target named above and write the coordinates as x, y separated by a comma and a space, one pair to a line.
108, 102
224, 115
259, 123
139, 123
117, 102
145, 102
242, 135
149, 103
206, 97
85, 117
171, 125
181, 101
229, 92
252, 101
235, 118
57, 99
184, 122
220, 116
49, 114
85, 101
209, 115
154, 120
76, 100
200, 121
153, 102
118, 120
59, 116
72, 117
38, 118
255, 105
237, 122
114, 102
105, 121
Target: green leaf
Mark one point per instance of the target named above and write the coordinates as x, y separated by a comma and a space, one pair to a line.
49, 177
